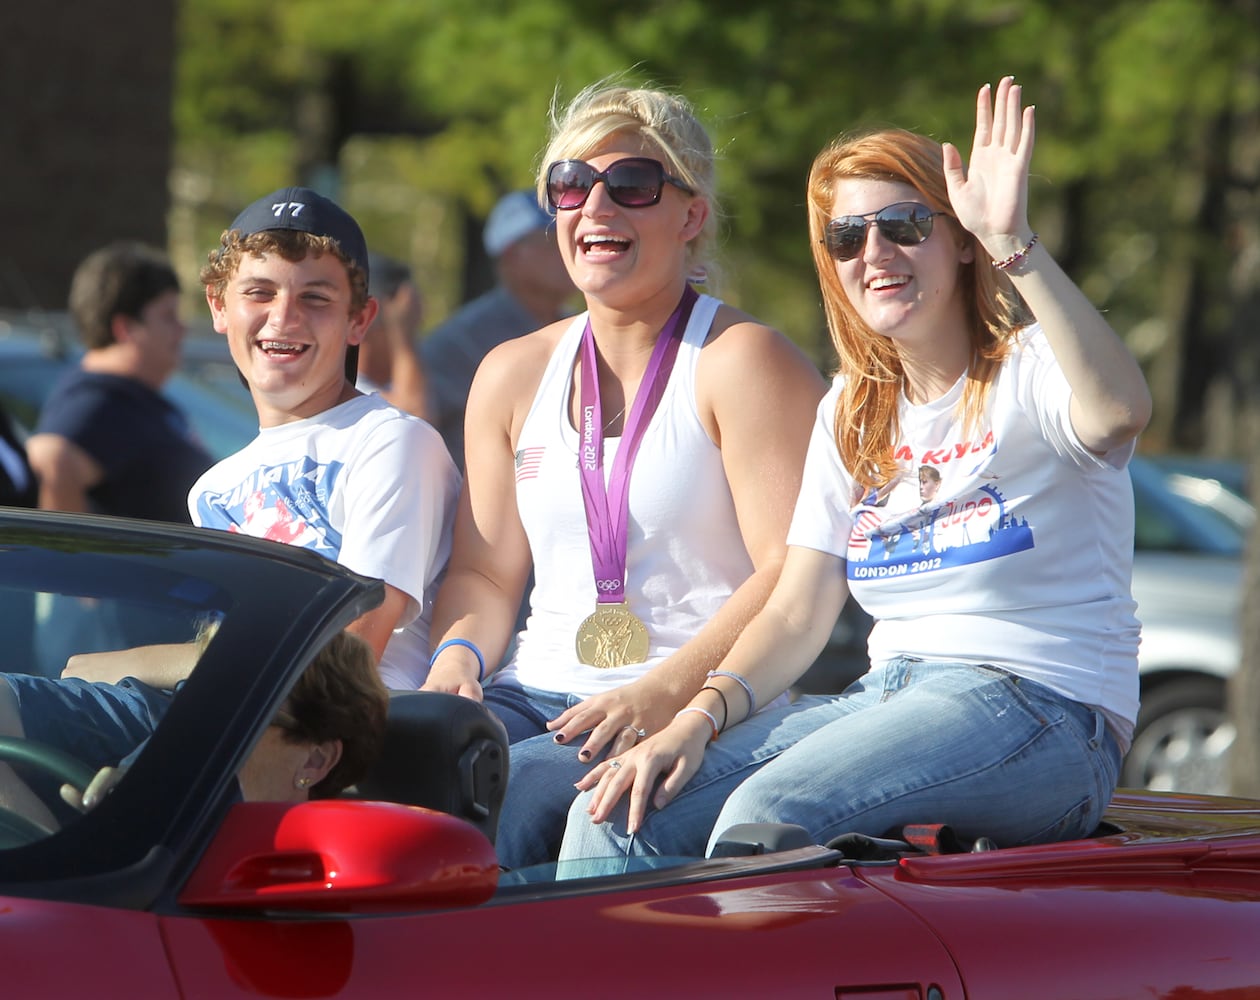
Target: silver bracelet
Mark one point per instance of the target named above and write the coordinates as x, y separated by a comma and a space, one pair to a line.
742, 682
701, 711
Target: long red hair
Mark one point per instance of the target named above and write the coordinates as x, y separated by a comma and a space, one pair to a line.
865, 424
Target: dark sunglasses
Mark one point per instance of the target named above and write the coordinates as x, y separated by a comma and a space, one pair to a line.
907, 223
634, 182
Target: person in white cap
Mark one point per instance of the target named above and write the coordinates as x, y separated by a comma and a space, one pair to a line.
532, 290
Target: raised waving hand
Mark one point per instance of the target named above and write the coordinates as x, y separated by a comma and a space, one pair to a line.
990, 196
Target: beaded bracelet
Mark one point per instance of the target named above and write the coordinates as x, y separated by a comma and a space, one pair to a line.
701, 711
742, 682
1006, 263
481, 660
726, 709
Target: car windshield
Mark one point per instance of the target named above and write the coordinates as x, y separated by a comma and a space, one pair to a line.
191, 662
70, 614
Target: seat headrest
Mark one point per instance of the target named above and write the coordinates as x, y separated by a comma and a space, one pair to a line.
443, 752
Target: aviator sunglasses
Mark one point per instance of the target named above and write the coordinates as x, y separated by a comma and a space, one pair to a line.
907, 223
633, 182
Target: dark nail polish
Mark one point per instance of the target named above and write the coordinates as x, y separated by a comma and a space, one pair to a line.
559, 737
584, 755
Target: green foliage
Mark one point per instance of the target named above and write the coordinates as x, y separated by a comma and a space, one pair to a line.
1127, 92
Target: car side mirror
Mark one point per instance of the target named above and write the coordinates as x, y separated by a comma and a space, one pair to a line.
342, 855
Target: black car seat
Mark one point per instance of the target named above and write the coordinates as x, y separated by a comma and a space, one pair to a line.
443, 752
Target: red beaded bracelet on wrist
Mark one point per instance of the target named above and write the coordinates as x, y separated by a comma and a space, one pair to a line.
1006, 263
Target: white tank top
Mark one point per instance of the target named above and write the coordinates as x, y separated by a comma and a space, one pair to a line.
685, 555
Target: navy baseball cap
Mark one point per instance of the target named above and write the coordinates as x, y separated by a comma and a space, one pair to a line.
306, 211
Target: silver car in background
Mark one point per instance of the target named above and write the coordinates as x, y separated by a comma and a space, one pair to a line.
1187, 579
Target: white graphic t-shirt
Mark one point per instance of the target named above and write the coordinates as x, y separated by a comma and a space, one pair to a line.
1011, 545
364, 484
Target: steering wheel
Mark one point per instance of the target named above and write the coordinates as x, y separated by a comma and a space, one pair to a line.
16, 829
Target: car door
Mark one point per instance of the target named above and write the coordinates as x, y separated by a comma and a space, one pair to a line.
798, 927
62, 949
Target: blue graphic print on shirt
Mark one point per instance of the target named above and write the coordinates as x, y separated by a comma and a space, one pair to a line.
286, 503
920, 527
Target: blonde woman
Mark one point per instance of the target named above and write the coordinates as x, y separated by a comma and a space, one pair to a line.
642, 457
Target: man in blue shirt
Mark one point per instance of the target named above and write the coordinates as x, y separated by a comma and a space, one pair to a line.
107, 440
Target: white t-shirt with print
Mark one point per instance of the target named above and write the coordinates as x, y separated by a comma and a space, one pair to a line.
364, 484
1011, 545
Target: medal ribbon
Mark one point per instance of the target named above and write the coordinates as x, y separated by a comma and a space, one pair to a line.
607, 507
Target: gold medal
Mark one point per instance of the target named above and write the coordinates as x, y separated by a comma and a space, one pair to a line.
612, 637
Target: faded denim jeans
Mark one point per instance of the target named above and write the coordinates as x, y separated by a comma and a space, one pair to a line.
975, 747
542, 772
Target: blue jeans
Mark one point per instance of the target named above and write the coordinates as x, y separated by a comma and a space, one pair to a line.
975, 747
682, 828
542, 772
100, 724
525, 711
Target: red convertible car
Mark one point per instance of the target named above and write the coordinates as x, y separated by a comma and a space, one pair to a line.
174, 887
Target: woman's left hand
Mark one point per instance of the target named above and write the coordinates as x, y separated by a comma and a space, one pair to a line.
671, 757
990, 198
615, 720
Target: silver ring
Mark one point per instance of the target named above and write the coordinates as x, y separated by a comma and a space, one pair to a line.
640, 733
613, 765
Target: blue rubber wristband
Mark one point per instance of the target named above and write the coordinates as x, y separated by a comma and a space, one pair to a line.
481, 660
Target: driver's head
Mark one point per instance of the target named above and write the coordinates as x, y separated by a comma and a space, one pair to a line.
329, 730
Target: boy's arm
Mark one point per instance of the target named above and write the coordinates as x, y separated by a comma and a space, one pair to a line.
376, 626
163, 666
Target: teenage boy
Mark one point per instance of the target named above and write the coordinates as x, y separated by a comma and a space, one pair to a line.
332, 469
